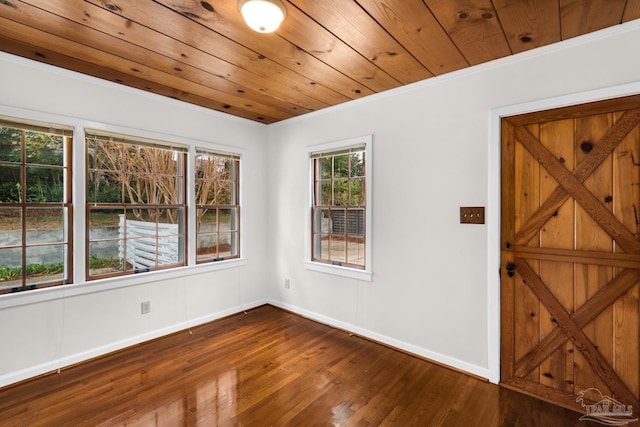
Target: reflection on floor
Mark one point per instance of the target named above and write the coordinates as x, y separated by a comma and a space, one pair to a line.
268, 367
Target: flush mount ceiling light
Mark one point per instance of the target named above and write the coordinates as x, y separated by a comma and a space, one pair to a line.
263, 16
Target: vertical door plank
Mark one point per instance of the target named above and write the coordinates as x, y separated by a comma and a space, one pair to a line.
625, 346
527, 185
597, 332
527, 201
507, 234
626, 204
557, 370
591, 237
626, 198
527, 320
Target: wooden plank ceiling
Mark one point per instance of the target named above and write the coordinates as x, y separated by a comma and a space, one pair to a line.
326, 51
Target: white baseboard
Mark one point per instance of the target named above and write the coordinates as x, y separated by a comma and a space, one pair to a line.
401, 345
54, 365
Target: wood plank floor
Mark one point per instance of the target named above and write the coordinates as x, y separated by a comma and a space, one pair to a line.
268, 367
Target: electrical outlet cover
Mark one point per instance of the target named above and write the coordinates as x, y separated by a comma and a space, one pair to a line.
145, 307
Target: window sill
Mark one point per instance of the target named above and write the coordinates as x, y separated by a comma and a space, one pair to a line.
101, 285
351, 273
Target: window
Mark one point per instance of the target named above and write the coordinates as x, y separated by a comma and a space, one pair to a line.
136, 209
35, 206
340, 217
217, 206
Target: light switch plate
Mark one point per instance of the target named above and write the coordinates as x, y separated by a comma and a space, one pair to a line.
472, 215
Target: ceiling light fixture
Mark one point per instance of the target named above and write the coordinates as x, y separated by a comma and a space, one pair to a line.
263, 16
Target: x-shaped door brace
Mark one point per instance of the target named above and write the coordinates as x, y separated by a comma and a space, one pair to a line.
571, 183
571, 325
606, 296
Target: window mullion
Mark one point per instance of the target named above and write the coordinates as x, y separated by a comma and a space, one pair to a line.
23, 208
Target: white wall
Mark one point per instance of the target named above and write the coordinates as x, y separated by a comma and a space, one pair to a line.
430, 291
46, 329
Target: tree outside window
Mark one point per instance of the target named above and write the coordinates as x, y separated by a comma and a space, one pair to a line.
136, 210
35, 206
217, 206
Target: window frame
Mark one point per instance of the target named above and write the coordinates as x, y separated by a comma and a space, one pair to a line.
60, 129
140, 240
366, 273
77, 159
235, 204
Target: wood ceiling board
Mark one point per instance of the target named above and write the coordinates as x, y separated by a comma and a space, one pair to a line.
70, 30
351, 24
117, 26
40, 54
14, 30
580, 17
307, 35
631, 11
134, 20
325, 52
226, 20
413, 25
529, 24
473, 27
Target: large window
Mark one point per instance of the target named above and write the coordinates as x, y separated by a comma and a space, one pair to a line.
136, 208
35, 206
339, 199
150, 204
217, 206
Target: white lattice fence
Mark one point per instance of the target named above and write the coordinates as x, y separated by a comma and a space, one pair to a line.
140, 247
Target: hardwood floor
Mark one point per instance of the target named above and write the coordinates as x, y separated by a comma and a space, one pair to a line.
268, 367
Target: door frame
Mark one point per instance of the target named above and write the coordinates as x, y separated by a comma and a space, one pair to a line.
493, 215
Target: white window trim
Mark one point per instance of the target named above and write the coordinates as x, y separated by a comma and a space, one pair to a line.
81, 285
353, 273
191, 201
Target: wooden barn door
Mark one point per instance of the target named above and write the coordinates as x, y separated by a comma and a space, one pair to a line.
570, 272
